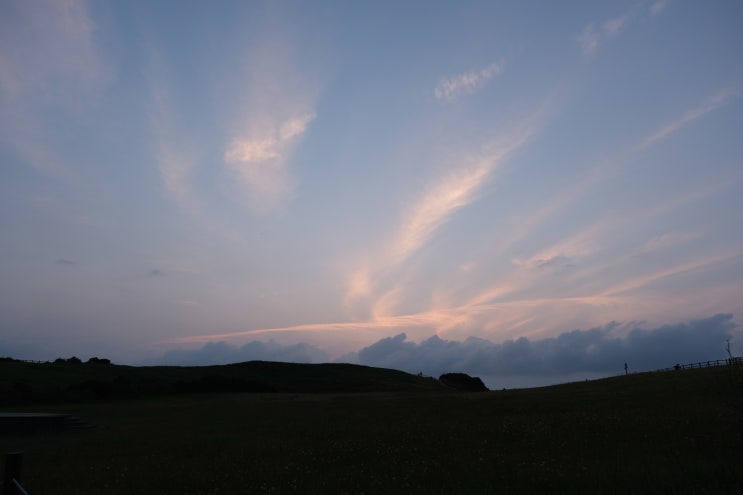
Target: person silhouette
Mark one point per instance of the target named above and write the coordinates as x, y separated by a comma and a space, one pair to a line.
625, 368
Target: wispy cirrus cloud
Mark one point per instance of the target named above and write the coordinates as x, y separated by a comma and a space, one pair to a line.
596, 33
698, 193
647, 279
460, 187
587, 273
272, 105
718, 100
502, 319
175, 159
665, 241
371, 327
424, 216
659, 6
566, 251
536, 293
272, 144
259, 159
264, 108
454, 87
48, 59
48, 49
572, 267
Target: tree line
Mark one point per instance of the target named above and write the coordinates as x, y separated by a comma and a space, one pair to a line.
77, 360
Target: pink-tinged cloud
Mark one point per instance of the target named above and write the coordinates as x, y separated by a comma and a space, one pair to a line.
659, 6
645, 280
452, 88
530, 317
372, 326
271, 104
434, 208
273, 142
596, 34
267, 122
719, 99
259, 160
425, 215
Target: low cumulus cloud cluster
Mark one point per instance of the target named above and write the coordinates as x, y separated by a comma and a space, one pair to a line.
597, 350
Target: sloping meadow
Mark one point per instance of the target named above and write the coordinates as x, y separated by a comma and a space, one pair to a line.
677, 432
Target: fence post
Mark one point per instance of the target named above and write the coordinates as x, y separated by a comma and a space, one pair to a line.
13, 462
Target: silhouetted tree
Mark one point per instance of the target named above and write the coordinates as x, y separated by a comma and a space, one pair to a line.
95, 360
464, 382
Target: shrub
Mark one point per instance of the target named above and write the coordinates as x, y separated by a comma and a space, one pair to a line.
464, 382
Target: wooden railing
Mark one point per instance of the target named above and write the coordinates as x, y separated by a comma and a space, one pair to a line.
705, 364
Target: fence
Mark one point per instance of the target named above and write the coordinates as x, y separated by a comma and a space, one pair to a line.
28, 361
11, 483
705, 364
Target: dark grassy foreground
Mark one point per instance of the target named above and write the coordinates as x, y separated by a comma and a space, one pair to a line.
674, 432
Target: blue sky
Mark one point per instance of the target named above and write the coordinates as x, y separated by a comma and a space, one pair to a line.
333, 174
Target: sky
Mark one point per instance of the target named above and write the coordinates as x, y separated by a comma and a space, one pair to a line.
526, 191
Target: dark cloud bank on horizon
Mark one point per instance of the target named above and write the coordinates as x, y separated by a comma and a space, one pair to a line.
596, 351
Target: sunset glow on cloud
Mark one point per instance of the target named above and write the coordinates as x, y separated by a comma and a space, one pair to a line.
288, 180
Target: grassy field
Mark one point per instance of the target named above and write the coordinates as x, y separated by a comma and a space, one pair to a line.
674, 432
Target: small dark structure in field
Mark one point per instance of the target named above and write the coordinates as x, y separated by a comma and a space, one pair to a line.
463, 382
25, 423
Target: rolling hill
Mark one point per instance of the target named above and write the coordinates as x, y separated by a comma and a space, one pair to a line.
22, 382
